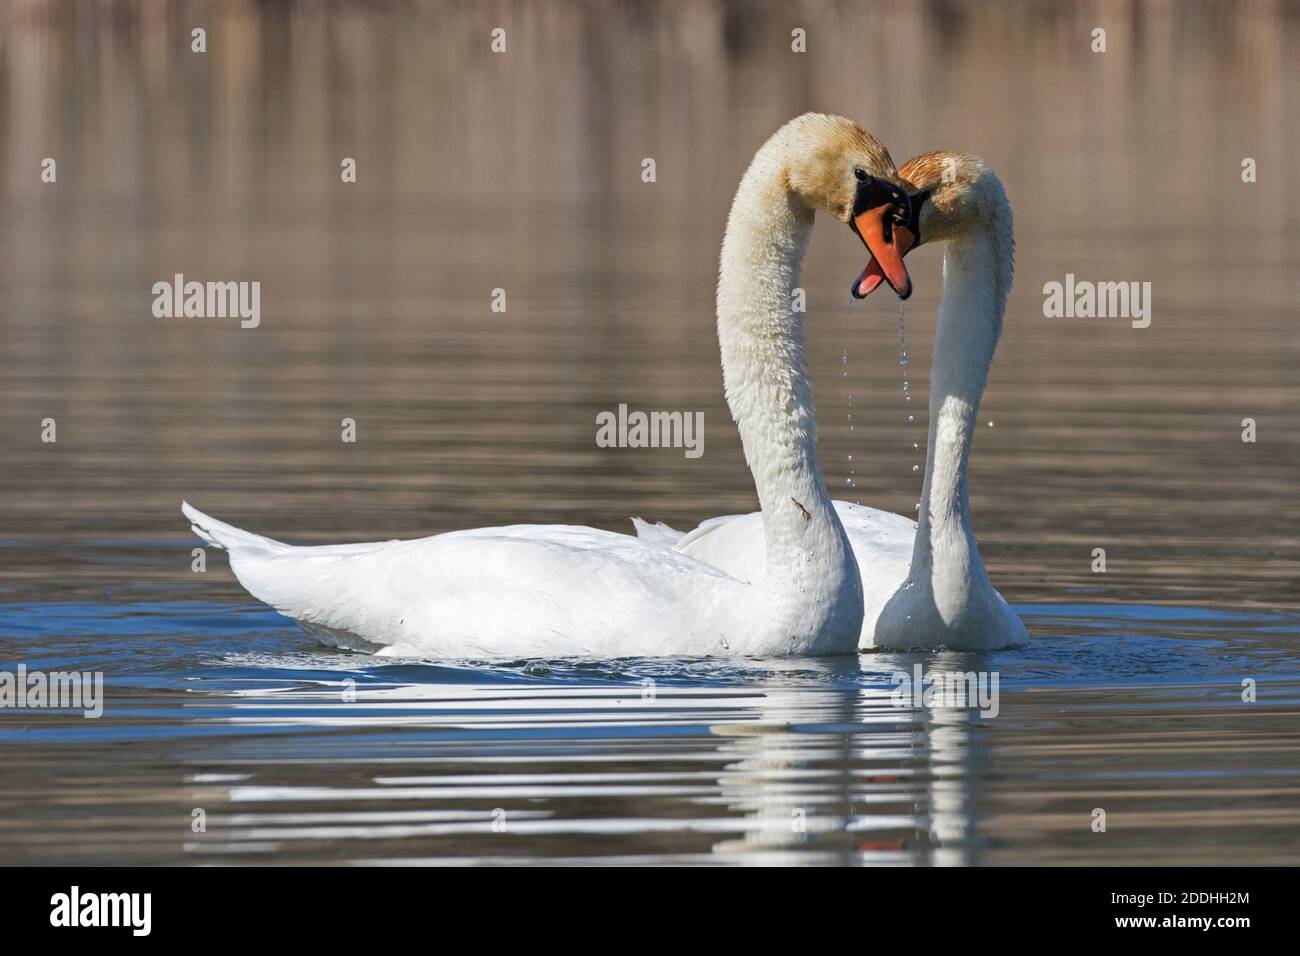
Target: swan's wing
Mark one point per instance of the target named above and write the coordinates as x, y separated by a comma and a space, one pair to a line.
519, 591
732, 543
881, 541
882, 545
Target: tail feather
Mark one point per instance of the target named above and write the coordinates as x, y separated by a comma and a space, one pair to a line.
658, 534
222, 535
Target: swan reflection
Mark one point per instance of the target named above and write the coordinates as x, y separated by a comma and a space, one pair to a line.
846, 775
789, 761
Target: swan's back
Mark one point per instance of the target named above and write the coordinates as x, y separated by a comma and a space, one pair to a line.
517, 591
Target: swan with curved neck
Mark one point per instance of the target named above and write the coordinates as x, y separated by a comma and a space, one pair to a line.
925, 587
554, 590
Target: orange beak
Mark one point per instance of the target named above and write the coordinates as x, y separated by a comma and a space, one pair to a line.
888, 243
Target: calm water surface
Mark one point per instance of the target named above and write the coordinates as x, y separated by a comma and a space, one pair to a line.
522, 172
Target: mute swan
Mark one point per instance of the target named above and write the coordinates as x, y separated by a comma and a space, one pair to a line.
556, 590
924, 587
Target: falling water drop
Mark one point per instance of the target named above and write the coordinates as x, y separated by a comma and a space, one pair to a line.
907, 383
849, 481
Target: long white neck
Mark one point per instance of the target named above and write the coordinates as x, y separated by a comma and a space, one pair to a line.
976, 280
812, 579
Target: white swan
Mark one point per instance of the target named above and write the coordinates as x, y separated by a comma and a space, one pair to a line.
555, 590
925, 587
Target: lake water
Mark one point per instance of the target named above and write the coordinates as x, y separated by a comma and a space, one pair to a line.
522, 171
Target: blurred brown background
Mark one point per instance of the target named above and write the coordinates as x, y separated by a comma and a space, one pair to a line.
522, 171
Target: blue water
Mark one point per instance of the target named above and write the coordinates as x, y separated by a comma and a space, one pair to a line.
231, 710
173, 645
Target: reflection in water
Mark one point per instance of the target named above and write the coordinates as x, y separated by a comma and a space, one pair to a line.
293, 754
956, 766
901, 791
523, 171
849, 776
790, 775
810, 766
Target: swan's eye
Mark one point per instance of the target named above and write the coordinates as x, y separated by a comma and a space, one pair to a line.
860, 174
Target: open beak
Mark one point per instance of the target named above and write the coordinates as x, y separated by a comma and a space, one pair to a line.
888, 243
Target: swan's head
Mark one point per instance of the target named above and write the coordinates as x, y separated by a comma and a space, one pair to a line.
832, 163
950, 193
